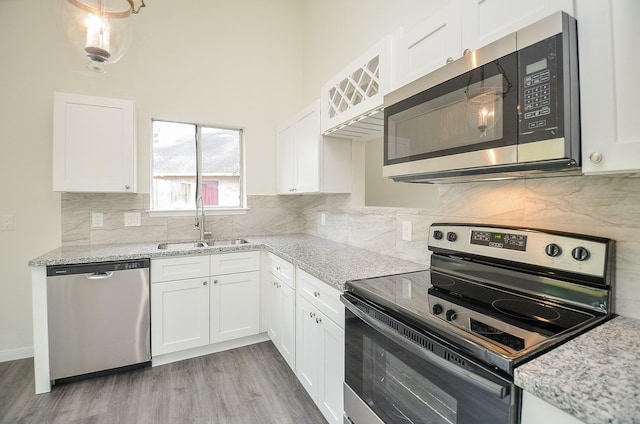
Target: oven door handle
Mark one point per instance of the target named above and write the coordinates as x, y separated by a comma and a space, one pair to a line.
495, 389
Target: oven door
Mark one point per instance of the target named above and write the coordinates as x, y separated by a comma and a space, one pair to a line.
396, 373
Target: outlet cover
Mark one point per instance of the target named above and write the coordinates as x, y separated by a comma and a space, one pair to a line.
406, 231
323, 218
132, 219
97, 219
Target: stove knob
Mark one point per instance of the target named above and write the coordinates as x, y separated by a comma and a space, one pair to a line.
580, 254
437, 234
553, 250
450, 315
437, 309
451, 236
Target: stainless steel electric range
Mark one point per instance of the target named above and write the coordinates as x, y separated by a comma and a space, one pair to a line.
440, 346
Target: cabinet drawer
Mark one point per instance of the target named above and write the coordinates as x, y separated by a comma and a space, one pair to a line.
282, 270
230, 263
321, 295
179, 268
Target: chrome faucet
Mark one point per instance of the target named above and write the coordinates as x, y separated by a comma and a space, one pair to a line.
200, 221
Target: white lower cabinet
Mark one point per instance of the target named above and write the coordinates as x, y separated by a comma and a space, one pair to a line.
282, 319
209, 308
536, 411
234, 306
320, 351
179, 315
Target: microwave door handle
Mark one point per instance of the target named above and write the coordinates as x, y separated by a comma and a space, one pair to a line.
497, 390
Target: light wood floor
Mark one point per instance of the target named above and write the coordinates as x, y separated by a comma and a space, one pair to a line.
252, 384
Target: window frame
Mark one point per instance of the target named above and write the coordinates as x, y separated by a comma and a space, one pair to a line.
208, 210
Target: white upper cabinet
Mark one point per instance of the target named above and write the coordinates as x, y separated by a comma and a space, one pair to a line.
459, 28
352, 99
485, 21
610, 130
94, 144
426, 47
309, 162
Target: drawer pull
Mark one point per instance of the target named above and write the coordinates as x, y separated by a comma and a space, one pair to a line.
204, 283
312, 314
316, 294
318, 320
215, 281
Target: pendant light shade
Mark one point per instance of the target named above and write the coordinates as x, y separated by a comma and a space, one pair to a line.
100, 29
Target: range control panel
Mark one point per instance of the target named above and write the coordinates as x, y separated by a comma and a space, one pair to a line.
562, 251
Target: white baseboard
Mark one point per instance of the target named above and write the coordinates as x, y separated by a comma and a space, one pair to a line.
14, 354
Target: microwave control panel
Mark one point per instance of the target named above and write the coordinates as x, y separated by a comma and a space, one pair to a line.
540, 90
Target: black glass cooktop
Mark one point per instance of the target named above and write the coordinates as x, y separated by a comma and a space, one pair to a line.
408, 293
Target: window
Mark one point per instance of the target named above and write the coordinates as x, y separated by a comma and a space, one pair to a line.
190, 161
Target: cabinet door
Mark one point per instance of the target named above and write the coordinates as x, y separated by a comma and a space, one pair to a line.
427, 46
286, 158
276, 312
235, 306
307, 346
94, 144
288, 331
607, 32
307, 141
282, 319
331, 373
485, 21
179, 315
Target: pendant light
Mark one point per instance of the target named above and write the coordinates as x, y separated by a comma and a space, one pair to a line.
100, 29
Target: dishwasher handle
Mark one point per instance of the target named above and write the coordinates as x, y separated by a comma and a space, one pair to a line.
99, 275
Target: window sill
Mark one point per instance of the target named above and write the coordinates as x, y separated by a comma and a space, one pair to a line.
186, 212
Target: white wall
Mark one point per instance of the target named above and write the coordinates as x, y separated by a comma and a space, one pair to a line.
231, 63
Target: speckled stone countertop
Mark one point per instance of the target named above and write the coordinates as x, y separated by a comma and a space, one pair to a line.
594, 377
334, 263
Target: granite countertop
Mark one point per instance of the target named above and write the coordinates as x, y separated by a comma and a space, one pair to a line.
334, 263
594, 377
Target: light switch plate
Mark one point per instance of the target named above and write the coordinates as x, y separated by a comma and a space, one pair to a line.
132, 219
406, 231
323, 218
6, 222
97, 219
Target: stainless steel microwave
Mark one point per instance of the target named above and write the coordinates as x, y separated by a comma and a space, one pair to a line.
510, 109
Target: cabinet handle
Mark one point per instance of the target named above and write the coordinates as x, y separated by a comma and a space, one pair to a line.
126, 187
449, 59
312, 314
215, 281
316, 294
204, 283
466, 52
318, 320
595, 157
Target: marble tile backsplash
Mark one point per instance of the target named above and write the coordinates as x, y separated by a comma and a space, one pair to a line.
607, 206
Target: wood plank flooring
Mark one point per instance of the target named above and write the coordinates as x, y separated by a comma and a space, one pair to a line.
249, 385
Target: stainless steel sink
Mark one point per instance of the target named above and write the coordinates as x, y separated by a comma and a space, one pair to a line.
201, 243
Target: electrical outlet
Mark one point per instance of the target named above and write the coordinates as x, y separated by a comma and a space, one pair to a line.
97, 219
323, 219
6, 222
406, 230
132, 219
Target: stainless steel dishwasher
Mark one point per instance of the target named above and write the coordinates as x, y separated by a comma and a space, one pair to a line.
98, 318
